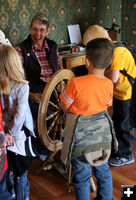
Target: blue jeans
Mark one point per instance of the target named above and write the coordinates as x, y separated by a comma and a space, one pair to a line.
4, 194
20, 185
82, 172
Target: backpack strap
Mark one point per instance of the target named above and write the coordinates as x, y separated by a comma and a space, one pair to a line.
119, 44
124, 72
130, 78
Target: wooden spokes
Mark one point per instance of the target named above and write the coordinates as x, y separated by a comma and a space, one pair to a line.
51, 119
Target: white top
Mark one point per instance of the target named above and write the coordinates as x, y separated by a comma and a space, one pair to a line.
16, 113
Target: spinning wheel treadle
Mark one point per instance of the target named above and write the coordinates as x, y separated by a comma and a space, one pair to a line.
51, 120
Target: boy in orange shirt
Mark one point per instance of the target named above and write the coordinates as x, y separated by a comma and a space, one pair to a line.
87, 98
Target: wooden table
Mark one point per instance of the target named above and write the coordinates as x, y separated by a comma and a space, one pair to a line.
73, 60
76, 59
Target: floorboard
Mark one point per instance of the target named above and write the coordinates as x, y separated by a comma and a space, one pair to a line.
50, 184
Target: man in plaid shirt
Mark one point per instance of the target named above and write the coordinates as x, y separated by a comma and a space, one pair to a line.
40, 59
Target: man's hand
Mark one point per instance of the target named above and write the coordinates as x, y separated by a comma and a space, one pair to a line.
35, 97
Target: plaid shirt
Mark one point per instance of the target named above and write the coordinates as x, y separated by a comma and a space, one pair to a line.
41, 55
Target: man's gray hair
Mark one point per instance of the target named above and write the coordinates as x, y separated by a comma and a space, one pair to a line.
41, 18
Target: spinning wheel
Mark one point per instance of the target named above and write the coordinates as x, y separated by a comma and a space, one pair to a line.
51, 119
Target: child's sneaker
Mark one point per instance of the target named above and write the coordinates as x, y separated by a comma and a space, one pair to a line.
13, 196
119, 161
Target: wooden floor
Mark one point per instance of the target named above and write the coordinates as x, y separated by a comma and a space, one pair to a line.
51, 185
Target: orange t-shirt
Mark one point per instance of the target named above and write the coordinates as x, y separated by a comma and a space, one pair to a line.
87, 95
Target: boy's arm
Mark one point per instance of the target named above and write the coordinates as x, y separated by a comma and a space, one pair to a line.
65, 107
67, 96
112, 74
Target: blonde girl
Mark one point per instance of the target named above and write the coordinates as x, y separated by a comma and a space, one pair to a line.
17, 120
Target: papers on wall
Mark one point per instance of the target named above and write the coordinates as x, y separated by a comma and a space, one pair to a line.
74, 34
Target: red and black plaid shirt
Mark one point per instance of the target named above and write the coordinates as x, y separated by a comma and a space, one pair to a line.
46, 68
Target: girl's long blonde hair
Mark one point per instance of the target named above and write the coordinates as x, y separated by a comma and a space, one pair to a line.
11, 69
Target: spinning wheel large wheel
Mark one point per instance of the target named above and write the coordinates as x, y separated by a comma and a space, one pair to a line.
51, 120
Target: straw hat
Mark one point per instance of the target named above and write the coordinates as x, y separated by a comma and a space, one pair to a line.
94, 32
